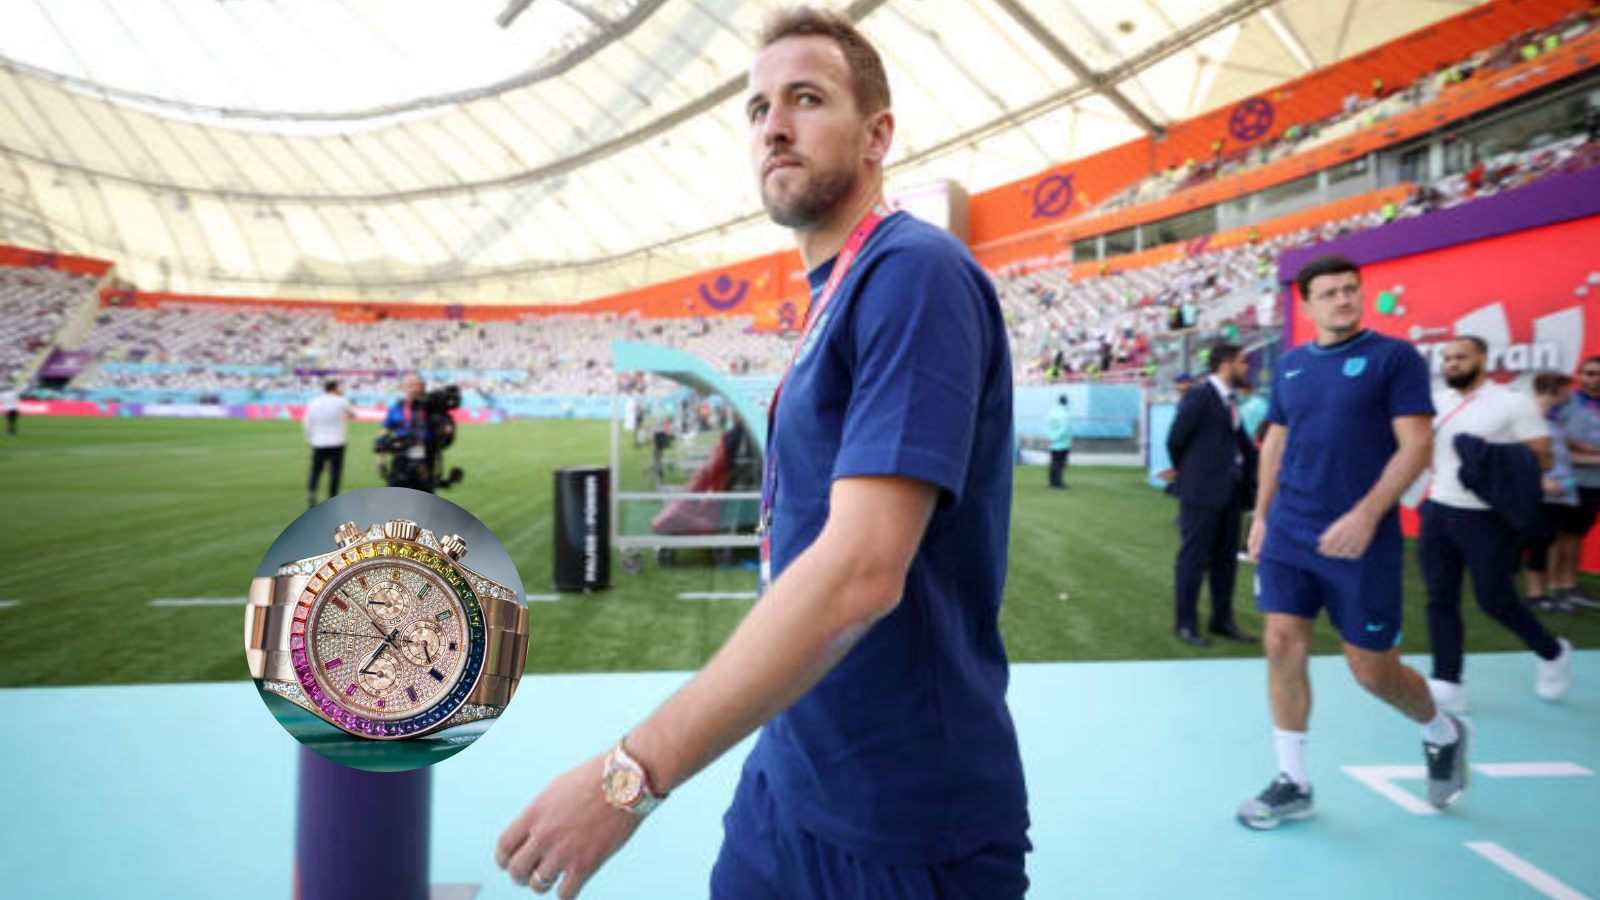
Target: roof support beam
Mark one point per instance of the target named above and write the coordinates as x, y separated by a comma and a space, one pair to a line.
1098, 82
509, 14
1285, 33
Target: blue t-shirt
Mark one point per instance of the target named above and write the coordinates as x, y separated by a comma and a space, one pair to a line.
906, 751
414, 426
1339, 403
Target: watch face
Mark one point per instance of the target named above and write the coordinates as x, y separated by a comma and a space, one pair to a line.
623, 785
388, 639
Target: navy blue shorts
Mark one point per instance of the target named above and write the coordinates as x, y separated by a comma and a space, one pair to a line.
1363, 597
765, 856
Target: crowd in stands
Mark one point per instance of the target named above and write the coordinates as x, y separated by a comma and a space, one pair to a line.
1102, 326
37, 302
204, 335
1383, 101
204, 350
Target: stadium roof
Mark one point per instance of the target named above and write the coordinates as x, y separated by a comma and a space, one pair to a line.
399, 149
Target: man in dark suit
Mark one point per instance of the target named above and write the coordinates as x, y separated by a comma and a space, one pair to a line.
1215, 463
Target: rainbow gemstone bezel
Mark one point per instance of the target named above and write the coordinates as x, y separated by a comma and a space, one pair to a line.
472, 667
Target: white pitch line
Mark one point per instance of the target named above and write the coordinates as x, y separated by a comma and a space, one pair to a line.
1531, 770
1381, 778
199, 601
1524, 871
711, 595
1378, 778
7, 604
543, 598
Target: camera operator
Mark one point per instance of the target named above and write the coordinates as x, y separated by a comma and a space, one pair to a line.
415, 433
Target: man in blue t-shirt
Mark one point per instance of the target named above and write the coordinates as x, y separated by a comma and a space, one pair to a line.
888, 765
1349, 428
1058, 428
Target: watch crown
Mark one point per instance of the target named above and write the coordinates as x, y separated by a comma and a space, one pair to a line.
401, 529
453, 545
347, 534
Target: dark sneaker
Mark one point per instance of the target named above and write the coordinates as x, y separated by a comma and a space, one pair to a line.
1547, 603
1282, 801
1447, 766
1577, 597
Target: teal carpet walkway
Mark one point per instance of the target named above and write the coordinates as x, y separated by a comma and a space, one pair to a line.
1134, 770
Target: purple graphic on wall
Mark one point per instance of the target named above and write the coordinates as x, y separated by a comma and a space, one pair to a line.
724, 293
1251, 120
788, 317
64, 364
1053, 196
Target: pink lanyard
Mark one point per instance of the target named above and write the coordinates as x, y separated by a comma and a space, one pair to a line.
1439, 425
841, 267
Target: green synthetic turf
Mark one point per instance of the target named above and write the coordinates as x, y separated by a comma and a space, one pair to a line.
102, 516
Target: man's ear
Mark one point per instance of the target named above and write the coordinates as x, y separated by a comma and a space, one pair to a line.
880, 135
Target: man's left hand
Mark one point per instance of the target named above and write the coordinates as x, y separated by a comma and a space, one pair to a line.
1348, 537
566, 833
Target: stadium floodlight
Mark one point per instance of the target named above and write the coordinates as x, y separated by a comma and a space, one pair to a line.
513, 9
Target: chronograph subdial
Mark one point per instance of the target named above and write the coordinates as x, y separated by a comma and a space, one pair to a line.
388, 600
378, 677
421, 642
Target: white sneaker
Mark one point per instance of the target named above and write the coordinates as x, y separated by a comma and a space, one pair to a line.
1554, 676
1448, 696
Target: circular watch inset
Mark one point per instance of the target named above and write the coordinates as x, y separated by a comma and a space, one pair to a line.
388, 639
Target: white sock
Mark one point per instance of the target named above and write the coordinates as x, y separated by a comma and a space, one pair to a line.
1291, 754
1441, 730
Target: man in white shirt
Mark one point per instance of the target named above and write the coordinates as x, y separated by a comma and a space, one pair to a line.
13, 407
1460, 530
324, 426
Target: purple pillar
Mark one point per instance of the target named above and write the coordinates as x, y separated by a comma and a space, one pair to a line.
361, 834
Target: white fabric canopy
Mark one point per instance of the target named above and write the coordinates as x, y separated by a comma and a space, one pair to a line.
411, 149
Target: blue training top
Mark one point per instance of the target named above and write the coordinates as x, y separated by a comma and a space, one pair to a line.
906, 751
1339, 403
403, 426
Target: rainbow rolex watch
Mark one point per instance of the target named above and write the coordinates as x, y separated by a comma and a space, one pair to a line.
388, 637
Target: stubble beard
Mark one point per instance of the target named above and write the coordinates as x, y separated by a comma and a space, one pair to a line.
1462, 379
821, 195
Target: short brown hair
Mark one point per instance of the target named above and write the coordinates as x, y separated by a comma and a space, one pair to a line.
869, 83
1322, 265
1550, 383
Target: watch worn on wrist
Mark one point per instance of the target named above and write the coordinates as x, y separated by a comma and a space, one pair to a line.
627, 785
389, 637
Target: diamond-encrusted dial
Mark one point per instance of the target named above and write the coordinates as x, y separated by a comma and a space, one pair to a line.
388, 638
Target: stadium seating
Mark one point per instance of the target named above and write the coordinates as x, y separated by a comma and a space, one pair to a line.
1060, 328
1359, 111
37, 302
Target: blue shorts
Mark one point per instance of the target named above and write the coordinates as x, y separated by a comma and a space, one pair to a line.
765, 856
1363, 597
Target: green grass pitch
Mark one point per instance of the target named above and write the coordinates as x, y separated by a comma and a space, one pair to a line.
102, 516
